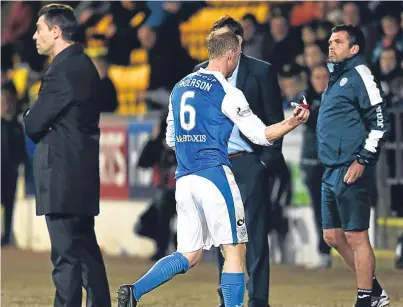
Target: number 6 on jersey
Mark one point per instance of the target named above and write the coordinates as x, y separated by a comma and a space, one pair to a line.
187, 108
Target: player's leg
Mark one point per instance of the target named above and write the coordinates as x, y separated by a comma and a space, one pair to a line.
337, 239
355, 208
233, 275
190, 243
225, 218
250, 178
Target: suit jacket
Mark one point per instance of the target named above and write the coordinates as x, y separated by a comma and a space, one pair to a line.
258, 81
63, 122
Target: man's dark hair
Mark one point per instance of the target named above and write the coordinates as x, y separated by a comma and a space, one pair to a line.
9, 86
62, 16
251, 18
232, 24
355, 36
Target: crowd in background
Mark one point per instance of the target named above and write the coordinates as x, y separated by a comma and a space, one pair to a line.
293, 39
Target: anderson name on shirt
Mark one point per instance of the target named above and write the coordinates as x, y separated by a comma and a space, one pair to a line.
203, 85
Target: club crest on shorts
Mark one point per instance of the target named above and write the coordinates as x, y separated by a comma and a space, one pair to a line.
343, 81
242, 233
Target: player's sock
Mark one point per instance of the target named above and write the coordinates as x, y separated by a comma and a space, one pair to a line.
376, 287
161, 272
363, 298
233, 289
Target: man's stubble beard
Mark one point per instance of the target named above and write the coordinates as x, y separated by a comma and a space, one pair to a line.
333, 61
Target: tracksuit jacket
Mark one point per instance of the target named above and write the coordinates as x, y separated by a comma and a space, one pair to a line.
353, 121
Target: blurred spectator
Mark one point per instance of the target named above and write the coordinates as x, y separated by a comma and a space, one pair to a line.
282, 44
108, 101
307, 11
252, 44
392, 36
155, 222
352, 15
168, 60
89, 13
308, 34
85, 10
19, 20
12, 154
316, 32
121, 33
6, 59
379, 9
4, 75
20, 26
390, 74
311, 168
291, 83
335, 12
313, 56
304, 12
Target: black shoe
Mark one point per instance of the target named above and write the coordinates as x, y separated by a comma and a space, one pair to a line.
126, 296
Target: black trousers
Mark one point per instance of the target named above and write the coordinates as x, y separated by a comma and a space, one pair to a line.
166, 206
249, 175
312, 175
8, 189
77, 262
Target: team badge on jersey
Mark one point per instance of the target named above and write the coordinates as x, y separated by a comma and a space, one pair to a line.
343, 81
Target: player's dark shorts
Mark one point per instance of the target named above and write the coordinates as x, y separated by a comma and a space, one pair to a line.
346, 206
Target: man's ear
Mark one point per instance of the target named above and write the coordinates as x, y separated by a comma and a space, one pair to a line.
240, 39
57, 32
355, 49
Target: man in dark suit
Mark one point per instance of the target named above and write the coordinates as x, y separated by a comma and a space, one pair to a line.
258, 82
63, 123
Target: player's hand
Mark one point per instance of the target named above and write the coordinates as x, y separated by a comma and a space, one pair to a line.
354, 172
301, 115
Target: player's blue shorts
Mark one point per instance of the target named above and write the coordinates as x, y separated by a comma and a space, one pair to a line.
346, 206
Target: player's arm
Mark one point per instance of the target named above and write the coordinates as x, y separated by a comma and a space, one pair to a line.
170, 134
236, 108
374, 115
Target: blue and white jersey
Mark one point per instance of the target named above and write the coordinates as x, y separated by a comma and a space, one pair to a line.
203, 108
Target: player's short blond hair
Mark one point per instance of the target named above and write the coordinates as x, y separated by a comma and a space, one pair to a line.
221, 41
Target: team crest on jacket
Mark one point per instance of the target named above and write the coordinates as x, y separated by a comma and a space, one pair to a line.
343, 81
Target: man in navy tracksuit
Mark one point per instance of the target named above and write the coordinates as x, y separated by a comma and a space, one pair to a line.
352, 125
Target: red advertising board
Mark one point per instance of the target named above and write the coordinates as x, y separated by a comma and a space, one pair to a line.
113, 160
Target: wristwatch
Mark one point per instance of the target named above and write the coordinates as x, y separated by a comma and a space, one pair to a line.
362, 160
